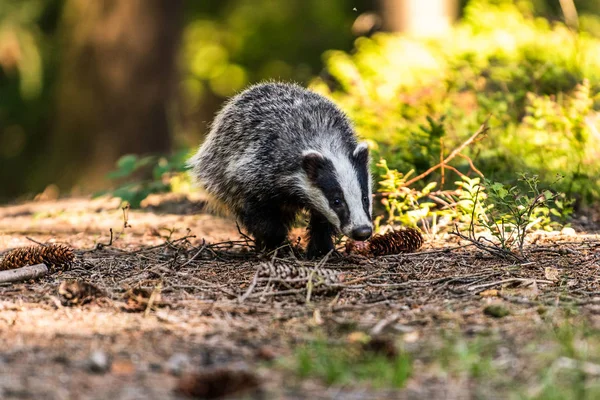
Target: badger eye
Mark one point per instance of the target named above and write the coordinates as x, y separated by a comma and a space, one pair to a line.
337, 202
365, 199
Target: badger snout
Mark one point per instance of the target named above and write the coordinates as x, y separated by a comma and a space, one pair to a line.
362, 233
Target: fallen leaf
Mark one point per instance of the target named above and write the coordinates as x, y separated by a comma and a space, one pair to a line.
122, 367
489, 293
411, 337
357, 337
317, 317
527, 289
551, 274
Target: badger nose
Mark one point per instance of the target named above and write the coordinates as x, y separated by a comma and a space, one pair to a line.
362, 232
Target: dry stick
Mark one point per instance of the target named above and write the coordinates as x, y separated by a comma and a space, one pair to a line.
166, 243
251, 287
483, 128
478, 172
422, 253
493, 249
36, 242
456, 171
309, 283
510, 280
382, 324
155, 293
100, 246
195, 255
23, 273
247, 238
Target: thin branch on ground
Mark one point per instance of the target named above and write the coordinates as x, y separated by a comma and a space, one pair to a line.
482, 129
35, 241
509, 280
23, 273
492, 249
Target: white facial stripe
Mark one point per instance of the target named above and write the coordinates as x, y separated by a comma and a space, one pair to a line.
348, 179
370, 188
317, 199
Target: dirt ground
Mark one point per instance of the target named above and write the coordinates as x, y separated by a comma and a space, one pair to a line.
177, 298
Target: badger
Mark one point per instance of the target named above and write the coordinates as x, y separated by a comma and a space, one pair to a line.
276, 149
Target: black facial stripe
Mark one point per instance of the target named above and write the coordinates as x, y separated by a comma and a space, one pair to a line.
360, 164
326, 180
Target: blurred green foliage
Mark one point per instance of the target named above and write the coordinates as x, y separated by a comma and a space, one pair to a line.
350, 363
28, 63
138, 177
537, 81
225, 45
415, 100
230, 44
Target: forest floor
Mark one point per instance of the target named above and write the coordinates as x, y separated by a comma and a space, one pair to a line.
176, 307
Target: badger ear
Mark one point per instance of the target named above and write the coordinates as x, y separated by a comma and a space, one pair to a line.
361, 153
312, 163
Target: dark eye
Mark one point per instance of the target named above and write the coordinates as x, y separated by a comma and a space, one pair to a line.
337, 202
366, 200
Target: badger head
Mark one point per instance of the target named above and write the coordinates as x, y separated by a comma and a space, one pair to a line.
338, 185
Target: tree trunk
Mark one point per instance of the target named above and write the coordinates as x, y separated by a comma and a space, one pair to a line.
418, 17
116, 81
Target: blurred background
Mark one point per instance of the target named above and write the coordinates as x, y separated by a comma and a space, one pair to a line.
115, 94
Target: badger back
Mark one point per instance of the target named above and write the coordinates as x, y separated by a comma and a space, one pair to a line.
257, 145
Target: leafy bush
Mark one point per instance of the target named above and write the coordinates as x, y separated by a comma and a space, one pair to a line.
537, 83
508, 213
138, 177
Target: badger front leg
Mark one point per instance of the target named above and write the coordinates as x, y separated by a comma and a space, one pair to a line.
320, 233
268, 226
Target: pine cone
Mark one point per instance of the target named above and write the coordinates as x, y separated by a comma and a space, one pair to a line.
394, 242
54, 256
398, 241
78, 292
297, 274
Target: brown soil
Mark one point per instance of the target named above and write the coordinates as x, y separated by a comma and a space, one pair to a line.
178, 292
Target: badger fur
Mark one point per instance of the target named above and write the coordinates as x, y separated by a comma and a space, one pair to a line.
277, 148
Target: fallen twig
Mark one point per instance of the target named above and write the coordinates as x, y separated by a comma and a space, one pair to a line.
509, 280
35, 241
382, 324
483, 128
195, 255
492, 249
251, 287
23, 273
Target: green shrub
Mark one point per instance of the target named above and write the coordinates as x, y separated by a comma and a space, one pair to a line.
139, 176
537, 83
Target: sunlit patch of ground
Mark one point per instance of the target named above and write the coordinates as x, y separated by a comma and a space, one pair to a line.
452, 321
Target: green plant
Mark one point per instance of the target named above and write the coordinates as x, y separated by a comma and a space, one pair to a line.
473, 358
142, 176
508, 213
403, 204
537, 82
411, 201
343, 364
